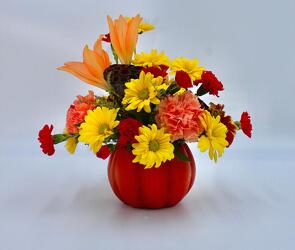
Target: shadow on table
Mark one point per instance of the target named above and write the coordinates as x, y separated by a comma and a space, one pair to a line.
99, 205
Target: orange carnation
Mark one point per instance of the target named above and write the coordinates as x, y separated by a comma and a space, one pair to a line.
78, 110
179, 115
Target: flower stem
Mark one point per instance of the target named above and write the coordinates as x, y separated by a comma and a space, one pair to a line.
114, 54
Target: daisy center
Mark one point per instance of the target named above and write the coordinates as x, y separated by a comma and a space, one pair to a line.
102, 128
143, 94
154, 145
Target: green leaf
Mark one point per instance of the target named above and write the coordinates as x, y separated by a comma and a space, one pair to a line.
129, 146
238, 124
115, 54
112, 137
181, 156
111, 147
201, 91
173, 88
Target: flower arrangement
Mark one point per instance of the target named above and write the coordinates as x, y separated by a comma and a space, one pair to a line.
153, 103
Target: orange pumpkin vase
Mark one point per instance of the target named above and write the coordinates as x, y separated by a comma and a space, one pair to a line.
150, 188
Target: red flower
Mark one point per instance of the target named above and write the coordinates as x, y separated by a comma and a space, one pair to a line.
128, 129
164, 67
157, 70
106, 38
46, 140
210, 83
231, 128
104, 152
183, 79
246, 125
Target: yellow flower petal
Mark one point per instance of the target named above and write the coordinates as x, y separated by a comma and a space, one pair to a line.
98, 125
151, 59
140, 93
189, 66
152, 148
71, 145
214, 138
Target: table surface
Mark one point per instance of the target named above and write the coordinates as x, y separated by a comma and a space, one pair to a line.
245, 202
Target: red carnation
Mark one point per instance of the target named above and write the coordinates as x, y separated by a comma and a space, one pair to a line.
128, 129
157, 70
46, 140
106, 38
231, 128
183, 79
104, 152
164, 67
210, 83
246, 125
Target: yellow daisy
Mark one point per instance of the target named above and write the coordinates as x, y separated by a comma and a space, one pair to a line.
215, 134
151, 59
153, 147
140, 93
189, 66
99, 124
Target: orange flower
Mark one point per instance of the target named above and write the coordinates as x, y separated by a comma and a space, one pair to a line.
78, 110
91, 69
124, 35
179, 116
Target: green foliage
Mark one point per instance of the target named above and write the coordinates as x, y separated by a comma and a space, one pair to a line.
114, 54
105, 102
201, 91
57, 138
178, 153
238, 124
172, 89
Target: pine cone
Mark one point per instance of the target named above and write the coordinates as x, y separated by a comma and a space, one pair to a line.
118, 74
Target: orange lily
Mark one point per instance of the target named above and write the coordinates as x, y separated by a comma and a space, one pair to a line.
91, 69
124, 34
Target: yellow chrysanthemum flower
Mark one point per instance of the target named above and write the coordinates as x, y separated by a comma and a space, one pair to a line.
140, 93
153, 147
143, 26
99, 124
151, 59
189, 66
215, 134
71, 144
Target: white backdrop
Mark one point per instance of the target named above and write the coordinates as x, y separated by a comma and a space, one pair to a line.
64, 202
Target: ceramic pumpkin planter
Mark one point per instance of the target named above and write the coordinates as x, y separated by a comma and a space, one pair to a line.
150, 188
